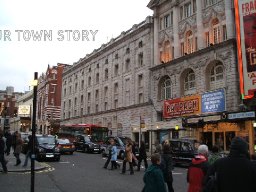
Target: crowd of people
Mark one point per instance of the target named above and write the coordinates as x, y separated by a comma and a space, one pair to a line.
14, 141
208, 172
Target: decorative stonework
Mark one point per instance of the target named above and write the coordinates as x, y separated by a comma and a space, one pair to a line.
213, 12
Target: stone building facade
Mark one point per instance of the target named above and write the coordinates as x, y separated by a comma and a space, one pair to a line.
177, 71
110, 86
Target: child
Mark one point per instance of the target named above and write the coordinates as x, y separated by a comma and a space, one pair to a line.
113, 155
153, 177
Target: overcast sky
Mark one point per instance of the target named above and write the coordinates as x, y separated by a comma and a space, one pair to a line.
68, 29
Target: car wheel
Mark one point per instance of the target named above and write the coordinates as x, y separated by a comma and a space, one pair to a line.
71, 153
58, 159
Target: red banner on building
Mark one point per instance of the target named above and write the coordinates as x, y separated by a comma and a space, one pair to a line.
182, 106
246, 44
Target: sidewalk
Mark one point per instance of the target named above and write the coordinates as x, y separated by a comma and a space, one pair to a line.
12, 161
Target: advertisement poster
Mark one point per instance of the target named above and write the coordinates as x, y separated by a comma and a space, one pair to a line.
246, 27
213, 101
184, 106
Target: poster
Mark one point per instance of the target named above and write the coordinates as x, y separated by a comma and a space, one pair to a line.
246, 43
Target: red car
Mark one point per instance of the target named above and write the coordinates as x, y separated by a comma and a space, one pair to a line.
66, 146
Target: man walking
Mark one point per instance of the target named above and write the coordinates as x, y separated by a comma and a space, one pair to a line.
2, 148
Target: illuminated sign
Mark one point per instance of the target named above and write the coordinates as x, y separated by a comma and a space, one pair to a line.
182, 106
246, 44
24, 110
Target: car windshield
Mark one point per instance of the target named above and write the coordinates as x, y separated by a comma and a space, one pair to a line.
46, 140
63, 141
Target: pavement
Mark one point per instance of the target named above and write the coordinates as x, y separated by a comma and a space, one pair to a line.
12, 161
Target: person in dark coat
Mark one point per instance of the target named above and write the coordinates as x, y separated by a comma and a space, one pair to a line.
8, 137
198, 170
2, 159
142, 156
109, 148
236, 172
167, 170
153, 177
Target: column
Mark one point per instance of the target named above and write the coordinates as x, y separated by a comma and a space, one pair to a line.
199, 23
156, 49
230, 21
176, 43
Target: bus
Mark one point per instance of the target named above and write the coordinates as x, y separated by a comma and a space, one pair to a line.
95, 132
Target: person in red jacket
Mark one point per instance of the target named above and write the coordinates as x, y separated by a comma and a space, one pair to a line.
198, 169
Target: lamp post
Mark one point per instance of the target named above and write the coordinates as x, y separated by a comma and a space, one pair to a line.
32, 187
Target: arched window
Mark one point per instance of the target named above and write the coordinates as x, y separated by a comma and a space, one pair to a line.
165, 88
217, 76
189, 81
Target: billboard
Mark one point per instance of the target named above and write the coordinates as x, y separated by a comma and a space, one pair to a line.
184, 106
213, 101
246, 43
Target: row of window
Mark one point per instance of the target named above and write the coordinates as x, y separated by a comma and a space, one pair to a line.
127, 68
140, 80
216, 34
97, 108
188, 83
186, 10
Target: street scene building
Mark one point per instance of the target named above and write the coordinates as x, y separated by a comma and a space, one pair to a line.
176, 73
49, 99
8, 106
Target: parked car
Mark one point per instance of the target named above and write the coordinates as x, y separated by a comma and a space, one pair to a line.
84, 143
66, 146
47, 148
119, 145
183, 151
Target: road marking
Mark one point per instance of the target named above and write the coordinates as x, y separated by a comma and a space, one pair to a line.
64, 162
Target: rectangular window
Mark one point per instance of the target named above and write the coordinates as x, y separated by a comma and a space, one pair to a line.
116, 88
216, 35
97, 94
161, 23
140, 59
171, 19
106, 106
224, 31
181, 13
194, 6
81, 112
115, 104
89, 97
116, 70
106, 92
140, 80
207, 38
187, 10
182, 49
141, 98
189, 45
166, 21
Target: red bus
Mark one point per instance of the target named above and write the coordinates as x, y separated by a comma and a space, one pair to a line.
95, 132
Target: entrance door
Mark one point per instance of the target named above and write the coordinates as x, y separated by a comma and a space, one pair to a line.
219, 140
207, 139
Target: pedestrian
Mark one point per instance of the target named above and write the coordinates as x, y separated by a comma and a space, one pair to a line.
142, 155
198, 169
109, 149
235, 172
128, 158
8, 137
29, 149
18, 148
214, 155
158, 147
2, 148
153, 177
14, 135
166, 160
134, 158
114, 164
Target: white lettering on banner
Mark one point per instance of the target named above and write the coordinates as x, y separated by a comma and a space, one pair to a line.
241, 115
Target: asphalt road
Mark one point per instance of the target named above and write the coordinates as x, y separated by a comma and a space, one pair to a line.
82, 172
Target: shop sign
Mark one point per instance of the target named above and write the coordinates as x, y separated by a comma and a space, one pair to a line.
205, 119
24, 110
242, 115
182, 106
213, 101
